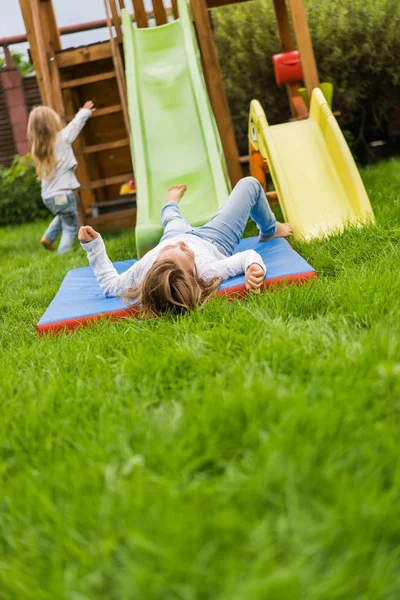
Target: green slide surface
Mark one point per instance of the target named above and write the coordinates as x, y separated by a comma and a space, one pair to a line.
173, 130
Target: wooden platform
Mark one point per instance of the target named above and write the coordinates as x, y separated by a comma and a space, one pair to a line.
115, 221
67, 78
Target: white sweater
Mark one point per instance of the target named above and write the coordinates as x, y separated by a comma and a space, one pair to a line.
64, 179
210, 262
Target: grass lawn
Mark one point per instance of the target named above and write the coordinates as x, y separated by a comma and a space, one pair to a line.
247, 452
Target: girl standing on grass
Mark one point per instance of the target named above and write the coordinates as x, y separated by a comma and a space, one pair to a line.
184, 270
55, 166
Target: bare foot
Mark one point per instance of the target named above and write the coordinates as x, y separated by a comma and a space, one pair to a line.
282, 230
46, 243
175, 192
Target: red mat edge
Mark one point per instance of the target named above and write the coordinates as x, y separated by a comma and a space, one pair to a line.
238, 291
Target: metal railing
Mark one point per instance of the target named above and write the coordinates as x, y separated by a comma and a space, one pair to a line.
12, 40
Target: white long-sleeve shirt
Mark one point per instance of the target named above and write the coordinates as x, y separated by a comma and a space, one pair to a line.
210, 262
64, 179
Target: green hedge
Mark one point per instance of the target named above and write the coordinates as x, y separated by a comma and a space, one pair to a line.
20, 198
19, 60
357, 47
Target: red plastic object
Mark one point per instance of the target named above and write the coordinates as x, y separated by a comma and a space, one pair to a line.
287, 67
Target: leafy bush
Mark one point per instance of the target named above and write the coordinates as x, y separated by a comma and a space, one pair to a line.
357, 48
19, 60
20, 198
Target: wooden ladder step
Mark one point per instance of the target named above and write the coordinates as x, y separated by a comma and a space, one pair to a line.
91, 185
77, 56
113, 205
85, 80
99, 112
131, 199
107, 110
119, 218
105, 146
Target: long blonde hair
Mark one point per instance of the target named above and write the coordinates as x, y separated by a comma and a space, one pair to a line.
169, 288
43, 126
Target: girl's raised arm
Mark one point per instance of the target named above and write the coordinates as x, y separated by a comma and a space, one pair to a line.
73, 129
111, 283
234, 265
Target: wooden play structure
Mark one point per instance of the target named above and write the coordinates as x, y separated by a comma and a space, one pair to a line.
68, 77
316, 180
305, 51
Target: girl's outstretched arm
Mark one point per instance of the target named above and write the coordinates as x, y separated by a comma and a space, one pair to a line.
237, 264
111, 283
73, 129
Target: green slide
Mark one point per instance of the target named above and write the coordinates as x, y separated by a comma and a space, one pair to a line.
173, 130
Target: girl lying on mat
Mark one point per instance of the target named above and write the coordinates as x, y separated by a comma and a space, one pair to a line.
184, 270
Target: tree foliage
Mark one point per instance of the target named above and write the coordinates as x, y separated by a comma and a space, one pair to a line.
20, 198
357, 48
19, 60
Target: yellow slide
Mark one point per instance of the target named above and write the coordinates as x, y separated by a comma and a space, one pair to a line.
317, 181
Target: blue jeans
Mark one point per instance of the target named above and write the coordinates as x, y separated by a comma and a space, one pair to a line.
225, 229
65, 220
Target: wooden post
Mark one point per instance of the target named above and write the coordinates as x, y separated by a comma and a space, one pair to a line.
159, 12
304, 45
41, 54
175, 9
58, 101
44, 40
140, 13
119, 69
287, 45
215, 87
85, 196
26, 9
50, 30
116, 20
282, 20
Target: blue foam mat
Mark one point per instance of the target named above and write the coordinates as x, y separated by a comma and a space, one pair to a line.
80, 295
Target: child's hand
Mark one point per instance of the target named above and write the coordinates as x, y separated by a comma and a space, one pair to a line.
87, 234
89, 105
254, 277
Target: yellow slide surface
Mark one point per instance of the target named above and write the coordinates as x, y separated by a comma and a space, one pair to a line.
317, 181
